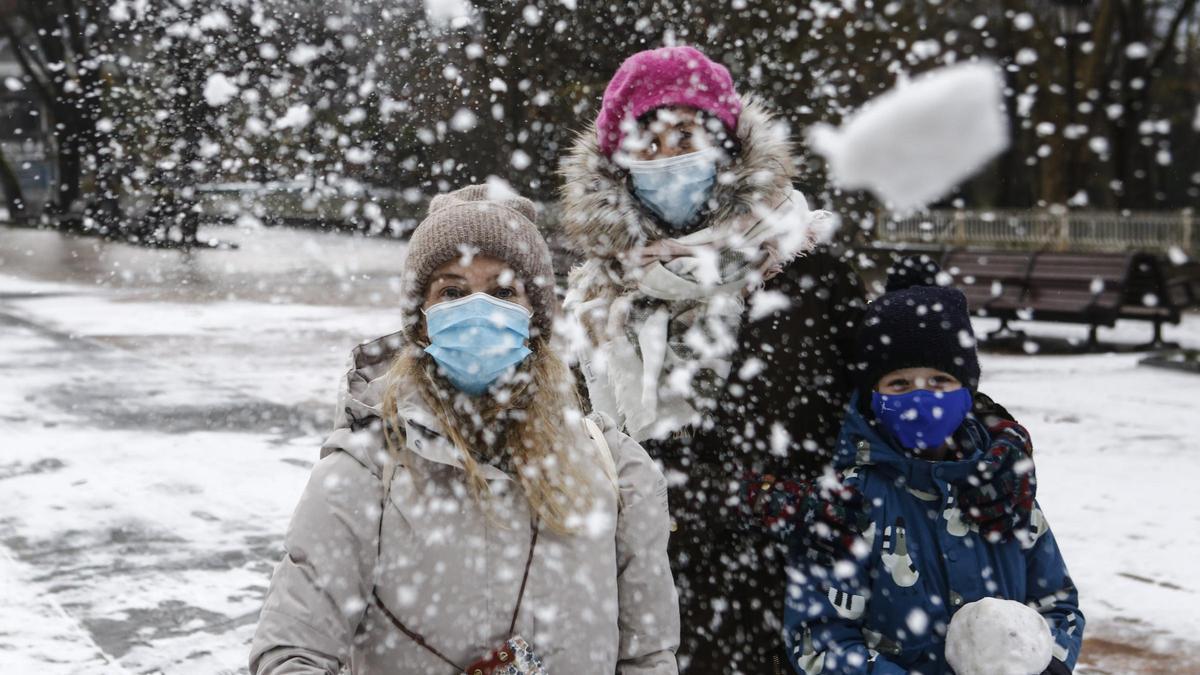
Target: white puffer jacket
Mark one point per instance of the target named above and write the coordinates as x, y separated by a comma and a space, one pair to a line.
602, 601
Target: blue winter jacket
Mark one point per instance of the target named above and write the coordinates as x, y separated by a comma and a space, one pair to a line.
888, 614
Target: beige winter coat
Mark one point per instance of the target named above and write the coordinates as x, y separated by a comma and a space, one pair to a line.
602, 601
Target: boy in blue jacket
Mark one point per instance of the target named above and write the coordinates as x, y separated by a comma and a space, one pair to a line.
908, 444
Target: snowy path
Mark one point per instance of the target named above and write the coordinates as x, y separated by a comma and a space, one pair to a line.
1117, 455
155, 443
156, 438
128, 510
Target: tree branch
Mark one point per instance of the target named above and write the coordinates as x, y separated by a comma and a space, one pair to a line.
42, 86
42, 18
1164, 50
76, 36
1103, 29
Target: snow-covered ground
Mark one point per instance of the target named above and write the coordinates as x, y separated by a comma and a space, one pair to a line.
157, 428
159, 412
1116, 455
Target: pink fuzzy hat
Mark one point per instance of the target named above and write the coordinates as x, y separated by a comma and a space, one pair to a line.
668, 76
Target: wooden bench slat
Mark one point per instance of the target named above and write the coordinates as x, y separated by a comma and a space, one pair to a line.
1088, 288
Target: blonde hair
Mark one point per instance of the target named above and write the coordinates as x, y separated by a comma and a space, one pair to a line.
533, 425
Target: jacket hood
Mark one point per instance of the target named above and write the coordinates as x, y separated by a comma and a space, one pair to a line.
601, 217
358, 421
863, 444
358, 418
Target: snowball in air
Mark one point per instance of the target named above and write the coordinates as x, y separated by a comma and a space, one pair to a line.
998, 637
297, 117
119, 11
498, 189
521, 160
1137, 50
215, 21
463, 120
303, 55
914, 143
219, 90
448, 13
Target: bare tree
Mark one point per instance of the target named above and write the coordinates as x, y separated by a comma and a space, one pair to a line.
62, 50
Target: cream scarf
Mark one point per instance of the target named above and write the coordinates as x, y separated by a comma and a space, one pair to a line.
666, 346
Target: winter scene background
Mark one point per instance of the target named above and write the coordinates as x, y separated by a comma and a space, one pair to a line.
207, 202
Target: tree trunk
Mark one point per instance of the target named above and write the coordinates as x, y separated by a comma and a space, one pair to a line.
12, 189
70, 172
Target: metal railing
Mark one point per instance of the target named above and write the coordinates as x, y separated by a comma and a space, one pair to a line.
1065, 231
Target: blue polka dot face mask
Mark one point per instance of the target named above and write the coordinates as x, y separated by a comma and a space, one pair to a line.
477, 339
922, 419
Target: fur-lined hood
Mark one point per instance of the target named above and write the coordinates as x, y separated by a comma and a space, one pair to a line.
601, 218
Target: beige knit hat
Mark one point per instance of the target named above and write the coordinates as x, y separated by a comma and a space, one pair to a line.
480, 220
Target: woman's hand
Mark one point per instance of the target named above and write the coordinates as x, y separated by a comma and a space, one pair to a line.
825, 517
835, 517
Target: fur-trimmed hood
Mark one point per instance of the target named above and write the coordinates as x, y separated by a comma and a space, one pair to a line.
601, 218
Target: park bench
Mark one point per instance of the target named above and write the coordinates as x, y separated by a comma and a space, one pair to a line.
1095, 289
1183, 284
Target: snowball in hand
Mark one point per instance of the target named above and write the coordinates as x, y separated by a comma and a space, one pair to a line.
998, 637
914, 143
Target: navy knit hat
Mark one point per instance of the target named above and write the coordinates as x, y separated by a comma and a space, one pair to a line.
918, 322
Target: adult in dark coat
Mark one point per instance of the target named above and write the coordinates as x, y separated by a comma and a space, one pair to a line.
729, 568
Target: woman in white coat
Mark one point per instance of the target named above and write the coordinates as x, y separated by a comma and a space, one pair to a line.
465, 516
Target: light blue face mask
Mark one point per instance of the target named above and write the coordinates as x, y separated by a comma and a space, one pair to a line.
675, 188
477, 339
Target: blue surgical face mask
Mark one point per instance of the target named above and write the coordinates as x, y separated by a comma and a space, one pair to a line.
675, 188
477, 339
922, 419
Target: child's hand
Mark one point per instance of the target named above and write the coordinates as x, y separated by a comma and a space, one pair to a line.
835, 518
999, 496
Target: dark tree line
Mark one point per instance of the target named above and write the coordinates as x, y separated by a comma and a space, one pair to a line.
381, 103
